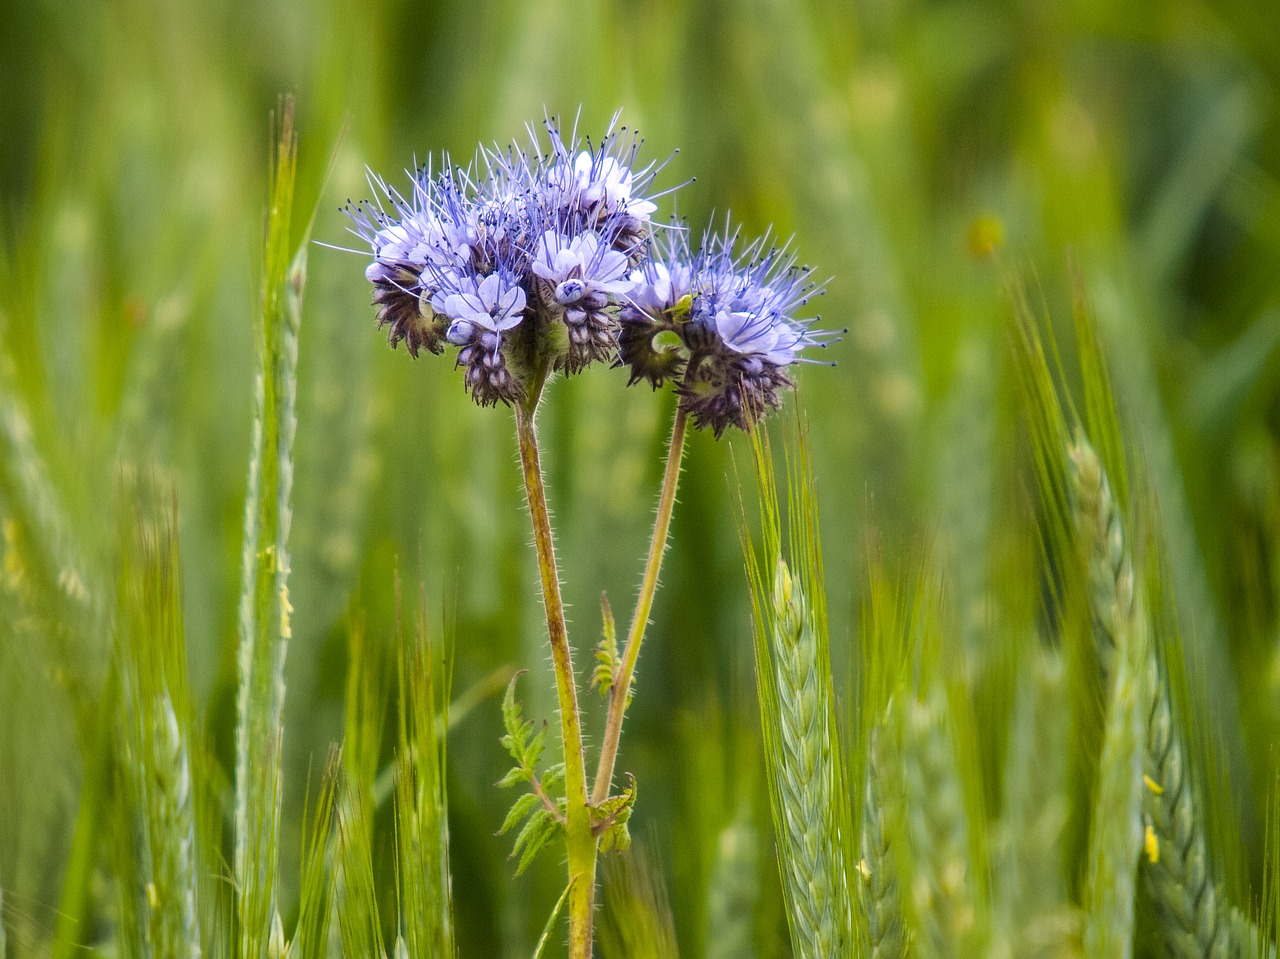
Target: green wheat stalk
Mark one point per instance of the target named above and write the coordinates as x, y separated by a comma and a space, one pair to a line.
155, 765
176, 928
357, 909
62, 590
881, 895
806, 778
1121, 627
315, 906
422, 826
264, 596
1108, 567
1195, 918
937, 819
793, 679
33, 501
1037, 917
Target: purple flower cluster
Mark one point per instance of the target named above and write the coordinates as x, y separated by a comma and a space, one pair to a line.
542, 260
732, 313
517, 265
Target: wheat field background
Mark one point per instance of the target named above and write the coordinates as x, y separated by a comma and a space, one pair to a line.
951, 166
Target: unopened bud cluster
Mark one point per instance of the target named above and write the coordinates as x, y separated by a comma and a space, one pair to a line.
533, 261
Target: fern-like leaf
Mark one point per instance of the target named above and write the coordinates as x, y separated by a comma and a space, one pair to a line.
543, 815
607, 661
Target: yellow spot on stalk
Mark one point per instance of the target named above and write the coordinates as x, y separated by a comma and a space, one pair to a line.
153, 896
286, 631
1152, 845
864, 868
1154, 786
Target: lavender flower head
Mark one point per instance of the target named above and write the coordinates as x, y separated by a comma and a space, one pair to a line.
731, 315
521, 261
534, 261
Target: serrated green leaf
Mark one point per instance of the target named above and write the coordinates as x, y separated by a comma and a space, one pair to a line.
541, 829
517, 774
533, 750
535, 822
606, 651
553, 779
519, 809
512, 710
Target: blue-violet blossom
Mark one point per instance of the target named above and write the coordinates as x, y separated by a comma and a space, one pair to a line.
733, 312
521, 262
529, 262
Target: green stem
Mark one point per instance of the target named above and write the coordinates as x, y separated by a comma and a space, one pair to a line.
580, 842
620, 691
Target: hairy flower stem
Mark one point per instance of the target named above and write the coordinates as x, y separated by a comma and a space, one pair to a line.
620, 691
579, 839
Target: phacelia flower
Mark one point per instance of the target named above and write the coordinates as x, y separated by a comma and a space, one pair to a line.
580, 280
658, 303
521, 261
733, 315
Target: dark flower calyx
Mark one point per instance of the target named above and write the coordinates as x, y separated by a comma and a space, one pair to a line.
636, 350
722, 391
399, 306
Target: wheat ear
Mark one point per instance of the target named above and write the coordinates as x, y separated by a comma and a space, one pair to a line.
176, 930
1121, 631
1108, 566
881, 898
1195, 918
1037, 920
806, 780
937, 822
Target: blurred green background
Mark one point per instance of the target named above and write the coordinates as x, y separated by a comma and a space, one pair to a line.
898, 141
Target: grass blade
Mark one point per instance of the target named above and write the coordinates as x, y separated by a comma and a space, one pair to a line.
938, 822
551, 922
